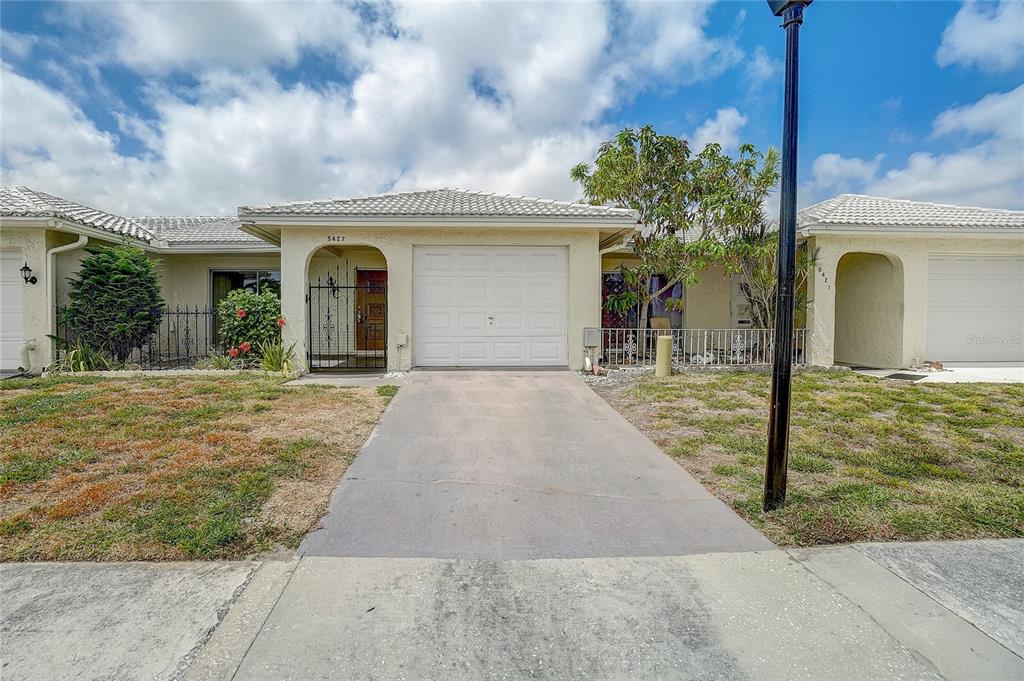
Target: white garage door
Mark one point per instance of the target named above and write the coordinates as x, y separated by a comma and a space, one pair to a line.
489, 306
975, 309
11, 330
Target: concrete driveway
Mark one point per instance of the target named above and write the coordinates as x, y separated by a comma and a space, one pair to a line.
509, 465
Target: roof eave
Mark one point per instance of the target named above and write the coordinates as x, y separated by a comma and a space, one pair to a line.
65, 225
431, 221
218, 247
897, 231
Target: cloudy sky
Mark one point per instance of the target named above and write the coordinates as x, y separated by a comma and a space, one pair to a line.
198, 107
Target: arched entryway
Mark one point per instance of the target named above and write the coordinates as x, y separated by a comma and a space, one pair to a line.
869, 310
347, 309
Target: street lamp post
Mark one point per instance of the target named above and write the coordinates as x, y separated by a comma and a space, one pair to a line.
792, 13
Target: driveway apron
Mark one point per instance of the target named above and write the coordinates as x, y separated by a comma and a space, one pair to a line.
516, 465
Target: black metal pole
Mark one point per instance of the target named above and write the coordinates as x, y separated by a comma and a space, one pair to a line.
782, 360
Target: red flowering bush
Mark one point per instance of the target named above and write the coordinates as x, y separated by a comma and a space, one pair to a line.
280, 323
248, 321
232, 352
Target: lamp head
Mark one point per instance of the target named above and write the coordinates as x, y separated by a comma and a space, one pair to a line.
26, 274
779, 7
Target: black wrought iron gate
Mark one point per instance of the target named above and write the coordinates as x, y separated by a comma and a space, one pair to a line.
348, 321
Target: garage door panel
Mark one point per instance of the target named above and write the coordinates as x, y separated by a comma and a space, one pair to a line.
470, 291
509, 321
508, 263
438, 320
433, 291
473, 322
974, 309
11, 319
509, 291
472, 263
507, 306
472, 350
547, 291
509, 352
547, 263
546, 322
434, 263
545, 352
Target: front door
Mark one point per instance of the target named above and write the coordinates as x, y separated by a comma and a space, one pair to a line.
371, 309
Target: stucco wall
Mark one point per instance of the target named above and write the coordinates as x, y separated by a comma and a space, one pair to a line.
185, 279
869, 310
907, 252
707, 301
298, 245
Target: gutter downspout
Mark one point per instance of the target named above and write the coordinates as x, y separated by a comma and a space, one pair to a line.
51, 281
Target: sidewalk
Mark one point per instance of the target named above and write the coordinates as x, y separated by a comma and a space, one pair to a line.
952, 610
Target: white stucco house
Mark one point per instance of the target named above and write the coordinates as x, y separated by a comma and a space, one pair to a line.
447, 277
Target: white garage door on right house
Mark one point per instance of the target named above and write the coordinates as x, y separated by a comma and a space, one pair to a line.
975, 310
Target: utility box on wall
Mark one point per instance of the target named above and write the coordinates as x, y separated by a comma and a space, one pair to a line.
591, 337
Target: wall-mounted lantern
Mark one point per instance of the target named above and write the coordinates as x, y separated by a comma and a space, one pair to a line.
26, 274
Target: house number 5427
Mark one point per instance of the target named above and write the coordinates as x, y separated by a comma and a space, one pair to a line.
335, 238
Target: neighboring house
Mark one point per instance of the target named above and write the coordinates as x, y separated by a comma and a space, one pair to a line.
48, 233
455, 278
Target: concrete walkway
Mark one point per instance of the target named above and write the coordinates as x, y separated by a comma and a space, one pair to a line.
506, 465
950, 610
832, 613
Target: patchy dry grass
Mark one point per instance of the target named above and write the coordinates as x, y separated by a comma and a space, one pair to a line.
869, 459
170, 468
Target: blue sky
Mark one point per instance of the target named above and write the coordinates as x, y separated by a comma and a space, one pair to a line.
197, 107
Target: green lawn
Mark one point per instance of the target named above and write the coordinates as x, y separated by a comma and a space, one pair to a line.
170, 468
870, 460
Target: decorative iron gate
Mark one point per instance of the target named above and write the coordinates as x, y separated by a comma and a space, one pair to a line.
348, 327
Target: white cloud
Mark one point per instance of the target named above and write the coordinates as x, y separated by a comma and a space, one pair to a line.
989, 172
985, 34
486, 96
761, 68
17, 45
892, 104
835, 174
153, 37
724, 129
999, 114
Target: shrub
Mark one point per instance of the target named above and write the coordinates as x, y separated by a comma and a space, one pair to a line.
77, 356
248, 321
115, 304
277, 357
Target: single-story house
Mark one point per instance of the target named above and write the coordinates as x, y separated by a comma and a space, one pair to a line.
447, 277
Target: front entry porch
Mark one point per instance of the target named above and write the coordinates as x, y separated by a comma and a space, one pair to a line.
347, 310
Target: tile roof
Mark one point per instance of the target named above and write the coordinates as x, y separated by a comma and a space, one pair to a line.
197, 229
442, 203
857, 210
25, 202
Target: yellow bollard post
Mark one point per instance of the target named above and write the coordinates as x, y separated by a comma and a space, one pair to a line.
663, 357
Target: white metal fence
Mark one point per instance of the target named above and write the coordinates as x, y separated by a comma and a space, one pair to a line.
697, 347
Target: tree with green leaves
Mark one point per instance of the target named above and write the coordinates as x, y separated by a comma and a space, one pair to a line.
115, 304
690, 206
